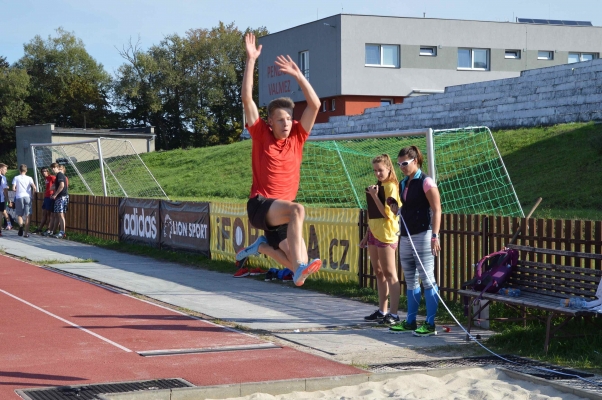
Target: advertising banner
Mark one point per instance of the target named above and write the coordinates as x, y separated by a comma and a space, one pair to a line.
139, 221
185, 226
331, 234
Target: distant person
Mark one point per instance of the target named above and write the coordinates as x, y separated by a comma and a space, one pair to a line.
381, 238
48, 205
24, 189
61, 199
4, 198
276, 155
421, 211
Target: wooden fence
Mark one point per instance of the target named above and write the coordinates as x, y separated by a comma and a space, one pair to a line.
91, 215
465, 239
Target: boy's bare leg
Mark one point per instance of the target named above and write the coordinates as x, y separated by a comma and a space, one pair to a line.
61, 222
286, 212
280, 256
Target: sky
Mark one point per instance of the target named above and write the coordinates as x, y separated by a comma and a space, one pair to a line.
108, 25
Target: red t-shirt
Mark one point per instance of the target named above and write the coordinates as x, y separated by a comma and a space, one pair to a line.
276, 163
49, 182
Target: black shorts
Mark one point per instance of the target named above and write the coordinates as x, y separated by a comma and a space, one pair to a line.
2, 206
257, 210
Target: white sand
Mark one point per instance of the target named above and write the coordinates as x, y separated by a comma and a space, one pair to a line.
474, 384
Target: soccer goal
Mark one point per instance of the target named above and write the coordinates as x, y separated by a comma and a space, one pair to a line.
465, 163
100, 167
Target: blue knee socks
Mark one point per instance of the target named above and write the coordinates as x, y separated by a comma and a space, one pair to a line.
413, 302
432, 303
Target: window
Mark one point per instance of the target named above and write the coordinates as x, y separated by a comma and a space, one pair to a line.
386, 102
304, 63
545, 55
332, 105
383, 55
473, 59
512, 54
324, 106
577, 57
428, 51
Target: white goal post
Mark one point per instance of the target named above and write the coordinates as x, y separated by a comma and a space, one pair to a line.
100, 167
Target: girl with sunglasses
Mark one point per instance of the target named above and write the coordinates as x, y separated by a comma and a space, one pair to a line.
381, 238
421, 212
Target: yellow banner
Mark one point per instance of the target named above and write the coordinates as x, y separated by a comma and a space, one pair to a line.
331, 234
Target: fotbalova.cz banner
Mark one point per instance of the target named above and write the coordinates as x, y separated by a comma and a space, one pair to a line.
185, 226
331, 234
139, 221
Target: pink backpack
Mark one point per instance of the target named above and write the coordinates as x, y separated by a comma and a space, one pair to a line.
491, 273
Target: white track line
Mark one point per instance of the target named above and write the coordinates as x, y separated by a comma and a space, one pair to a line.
68, 322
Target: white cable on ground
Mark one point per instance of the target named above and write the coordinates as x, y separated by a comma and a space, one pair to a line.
468, 333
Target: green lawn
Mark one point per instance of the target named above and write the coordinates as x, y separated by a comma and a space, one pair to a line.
562, 164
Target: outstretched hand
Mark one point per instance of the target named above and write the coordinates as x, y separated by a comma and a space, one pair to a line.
253, 52
287, 65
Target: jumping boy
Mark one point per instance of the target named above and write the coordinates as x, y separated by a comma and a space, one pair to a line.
276, 156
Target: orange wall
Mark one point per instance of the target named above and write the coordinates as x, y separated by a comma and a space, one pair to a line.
344, 105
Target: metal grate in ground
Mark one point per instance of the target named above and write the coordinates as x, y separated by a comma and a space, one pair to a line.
91, 392
514, 363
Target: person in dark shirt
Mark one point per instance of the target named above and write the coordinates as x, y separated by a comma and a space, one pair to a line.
48, 205
61, 199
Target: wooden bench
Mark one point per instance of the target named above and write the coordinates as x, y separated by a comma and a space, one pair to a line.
544, 276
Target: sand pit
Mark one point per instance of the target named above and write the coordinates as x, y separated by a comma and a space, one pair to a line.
473, 384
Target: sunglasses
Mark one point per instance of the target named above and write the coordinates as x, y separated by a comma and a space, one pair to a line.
404, 163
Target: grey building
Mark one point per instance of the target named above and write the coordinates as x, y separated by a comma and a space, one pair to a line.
356, 62
142, 139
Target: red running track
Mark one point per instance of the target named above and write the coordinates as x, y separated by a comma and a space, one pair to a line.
57, 330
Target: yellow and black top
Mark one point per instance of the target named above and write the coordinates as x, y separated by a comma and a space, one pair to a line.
384, 227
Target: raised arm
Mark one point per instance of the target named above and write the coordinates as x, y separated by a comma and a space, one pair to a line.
251, 113
288, 66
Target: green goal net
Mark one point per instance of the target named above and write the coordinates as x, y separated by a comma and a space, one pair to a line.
468, 168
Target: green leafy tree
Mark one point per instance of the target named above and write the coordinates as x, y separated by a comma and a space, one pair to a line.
187, 87
14, 84
67, 86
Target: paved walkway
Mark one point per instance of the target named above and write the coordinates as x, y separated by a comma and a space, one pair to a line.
326, 325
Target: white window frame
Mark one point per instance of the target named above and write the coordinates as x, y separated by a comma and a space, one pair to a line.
323, 105
581, 54
386, 100
304, 63
380, 51
333, 104
545, 55
512, 54
472, 68
428, 51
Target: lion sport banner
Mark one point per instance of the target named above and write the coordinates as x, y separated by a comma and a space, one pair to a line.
185, 226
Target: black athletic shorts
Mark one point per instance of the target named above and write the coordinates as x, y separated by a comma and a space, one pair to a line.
257, 210
2, 206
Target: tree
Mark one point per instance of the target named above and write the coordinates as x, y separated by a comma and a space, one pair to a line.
67, 86
187, 87
14, 84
